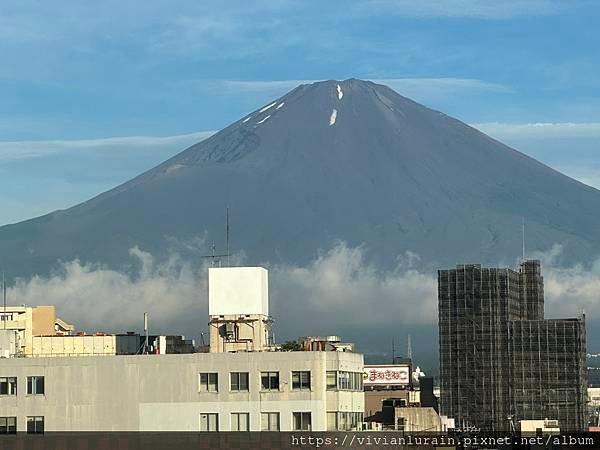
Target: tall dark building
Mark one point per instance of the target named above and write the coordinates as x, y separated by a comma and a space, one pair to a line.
500, 360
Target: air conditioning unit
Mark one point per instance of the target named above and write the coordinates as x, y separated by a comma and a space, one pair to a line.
230, 331
372, 426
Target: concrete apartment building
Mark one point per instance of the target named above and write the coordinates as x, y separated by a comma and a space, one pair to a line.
37, 332
242, 384
20, 324
194, 392
501, 362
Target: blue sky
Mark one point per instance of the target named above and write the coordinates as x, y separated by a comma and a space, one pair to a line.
92, 93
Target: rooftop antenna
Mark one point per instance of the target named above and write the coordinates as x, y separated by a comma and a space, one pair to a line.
214, 255
393, 352
523, 235
145, 352
409, 349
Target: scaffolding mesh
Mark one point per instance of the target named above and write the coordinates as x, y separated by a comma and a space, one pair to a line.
500, 361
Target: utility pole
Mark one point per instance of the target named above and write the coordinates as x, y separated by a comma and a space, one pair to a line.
523, 236
145, 352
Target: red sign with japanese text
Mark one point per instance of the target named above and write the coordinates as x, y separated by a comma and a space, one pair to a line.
382, 375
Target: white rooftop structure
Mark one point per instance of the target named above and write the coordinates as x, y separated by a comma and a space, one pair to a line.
238, 291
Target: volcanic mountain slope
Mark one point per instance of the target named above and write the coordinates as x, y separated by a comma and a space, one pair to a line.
335, 160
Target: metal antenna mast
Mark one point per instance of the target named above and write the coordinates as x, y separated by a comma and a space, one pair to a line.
523, 236
214, 255
409, 348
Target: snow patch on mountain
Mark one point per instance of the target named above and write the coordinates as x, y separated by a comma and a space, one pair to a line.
258, 123
333, 117
340, 93
267, 107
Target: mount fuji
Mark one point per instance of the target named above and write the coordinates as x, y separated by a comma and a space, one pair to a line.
331, 161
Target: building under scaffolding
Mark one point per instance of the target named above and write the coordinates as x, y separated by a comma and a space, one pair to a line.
500, 361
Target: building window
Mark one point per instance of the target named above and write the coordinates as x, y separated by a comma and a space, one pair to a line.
35, 385
269, 421
209, 422
301, 421
8, 425
358, 377
269, 381
331, 380
344, 421
239, 381
344, 381
35, 424
8, 386
353, 420
208, 382
240, 422
301, 380
332, 421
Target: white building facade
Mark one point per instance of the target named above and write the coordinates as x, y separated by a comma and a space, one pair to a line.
254, 391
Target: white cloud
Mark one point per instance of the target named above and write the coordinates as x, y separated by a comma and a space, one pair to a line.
542, 130
14, 150
337, 292
342, 287
168, 292
484, 9
570, 290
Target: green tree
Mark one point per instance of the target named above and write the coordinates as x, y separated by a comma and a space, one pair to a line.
291, 346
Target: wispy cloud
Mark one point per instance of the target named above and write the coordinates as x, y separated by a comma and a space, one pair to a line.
483, 9
437, 88
586, 173
261, 86
544, 130
427, 87
570, 148
16, 150
42, 176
